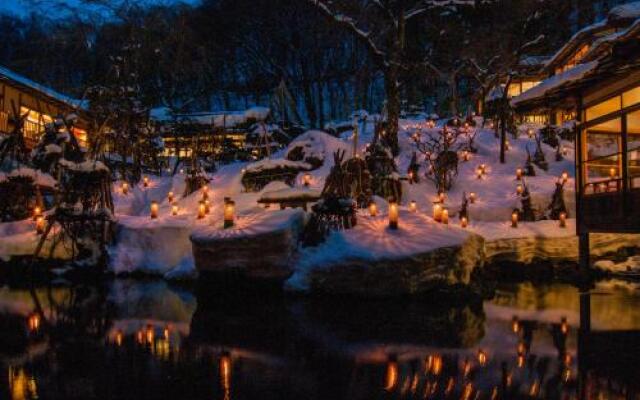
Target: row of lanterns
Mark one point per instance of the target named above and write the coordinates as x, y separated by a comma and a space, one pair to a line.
203, 208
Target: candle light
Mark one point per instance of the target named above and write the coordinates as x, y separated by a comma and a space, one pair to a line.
464, 222
530, 133
306, 179
170, 197
472, 197
519, 190
413, 206
201, 210
437, 212
229, 213
145, 181
33, 322
565, 177
483, 168
205, 192
482, 357
612, 172
393, 215
125, 188
445, 216
174, 210
465, 155
207, 206
479, 173
154, 209
564, 326
40, 225
519, 174
441, 197
373, 209
514, 219
565, 151
563, 220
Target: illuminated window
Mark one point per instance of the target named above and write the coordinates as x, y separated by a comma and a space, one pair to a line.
602, 156
81, 136
535, 118
514, 90
604, 108
34, 123
574, 60
631, 97
633, 148
529, 84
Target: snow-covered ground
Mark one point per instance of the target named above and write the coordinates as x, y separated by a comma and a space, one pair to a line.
162, 246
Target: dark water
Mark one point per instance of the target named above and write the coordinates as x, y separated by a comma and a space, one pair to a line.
149, 340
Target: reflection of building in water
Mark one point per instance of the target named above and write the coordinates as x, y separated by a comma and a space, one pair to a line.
22, 386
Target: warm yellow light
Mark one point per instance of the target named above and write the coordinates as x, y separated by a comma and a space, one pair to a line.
514, 219
563, 220
225, 372
466, 156
37, 211
306, 178
229, 213
437, 212
170, 197
565, 177
201, 210
154, 209
393, 215
119, 338
519, 174
145, 181
373, 209
207, 206
479, 173
125, 188
482, 357
613, 172
564, 326
413, 206
174, 210
391, 379
445, 216
464, 222
33, 322
40, 225
149, 334
472, 197
519, 190
515, 324
205, 193
441, 197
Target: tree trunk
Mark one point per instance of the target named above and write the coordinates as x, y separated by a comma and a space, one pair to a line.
393, 107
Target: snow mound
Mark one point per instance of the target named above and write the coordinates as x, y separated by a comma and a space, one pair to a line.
624, 12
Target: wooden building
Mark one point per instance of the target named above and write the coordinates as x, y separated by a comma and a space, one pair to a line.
604, 88
40, 104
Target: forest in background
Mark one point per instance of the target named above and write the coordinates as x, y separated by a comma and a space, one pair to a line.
231, 54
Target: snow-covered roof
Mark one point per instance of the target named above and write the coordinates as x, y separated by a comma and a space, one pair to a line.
555, 82
534, 61
624, 12
575, 39
215, 118
7, 74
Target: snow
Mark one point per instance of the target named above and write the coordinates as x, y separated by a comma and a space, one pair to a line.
85, 166
39, 178
554, 82
624, 12
228, 119
269, 164
290, 193
75, 103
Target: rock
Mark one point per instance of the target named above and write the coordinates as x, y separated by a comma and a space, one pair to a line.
261, 246
446, 268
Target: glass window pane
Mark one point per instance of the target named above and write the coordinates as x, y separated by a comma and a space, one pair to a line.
633, 122
613, 125
602, 158
604, 108
631, 97
634, 160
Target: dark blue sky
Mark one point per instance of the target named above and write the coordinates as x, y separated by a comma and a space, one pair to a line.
50, 7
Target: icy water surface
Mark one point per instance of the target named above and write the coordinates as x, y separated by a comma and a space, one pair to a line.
150, 340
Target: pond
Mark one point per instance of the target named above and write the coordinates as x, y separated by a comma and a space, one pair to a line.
132, 339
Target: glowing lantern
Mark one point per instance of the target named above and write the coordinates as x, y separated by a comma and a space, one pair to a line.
225, 371
437, 212
465, 155
564, 327
393, 215
479, 173
565, 177
563, 220
165, 332
174, 210
482, 357
507, 145
530, 133
154, 209
472, 197
483, 168
33, 322
150, 334
201, 210
519, 190
373, 209
37, 212
565, 151
170, 197
521, 360
514, 219
40, 225
464, 222
445, 216
119, 338
515, 324
145, 181
125, 188
229, 213
306, 179
519, 174
612, 172
413, 206
205, 192
441, 197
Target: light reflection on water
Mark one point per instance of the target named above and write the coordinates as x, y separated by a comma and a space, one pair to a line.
150, 340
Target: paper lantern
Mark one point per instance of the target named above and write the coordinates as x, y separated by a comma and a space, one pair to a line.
437, 212
445, 216
373, 209
393, 215
563, 220
514, 219
229, 213
174, 210
413, 206
154, 209
201, 210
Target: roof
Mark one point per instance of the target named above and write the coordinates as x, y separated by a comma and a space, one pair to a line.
7, 74
576, 40
555, 82
624, 13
